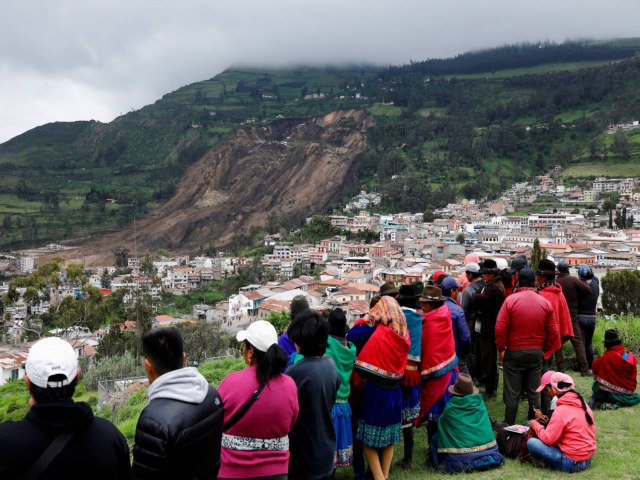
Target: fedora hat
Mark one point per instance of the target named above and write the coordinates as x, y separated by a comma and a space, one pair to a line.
431, 293
388, 288
546, 267
463, 386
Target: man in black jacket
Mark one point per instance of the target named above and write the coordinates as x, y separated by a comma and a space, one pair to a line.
487, 303
179, 433
87, 446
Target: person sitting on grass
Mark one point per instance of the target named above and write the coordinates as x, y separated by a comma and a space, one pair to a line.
615, 375
465, 441
568, 441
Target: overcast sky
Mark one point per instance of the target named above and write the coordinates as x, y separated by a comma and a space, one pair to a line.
66, 60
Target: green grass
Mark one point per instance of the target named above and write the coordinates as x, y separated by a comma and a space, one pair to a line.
616, 438
535, 70
573, 115
380, 110
613, 169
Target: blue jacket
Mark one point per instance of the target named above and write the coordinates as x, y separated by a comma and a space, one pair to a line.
414, 324
461, 333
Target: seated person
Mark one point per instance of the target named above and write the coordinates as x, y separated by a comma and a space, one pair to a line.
545, 388
568, 442
615, 375
465, 441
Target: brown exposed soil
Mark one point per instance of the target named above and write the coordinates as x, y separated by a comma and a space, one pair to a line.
295, 167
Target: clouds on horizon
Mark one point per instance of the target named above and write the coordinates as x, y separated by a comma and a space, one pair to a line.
66, 60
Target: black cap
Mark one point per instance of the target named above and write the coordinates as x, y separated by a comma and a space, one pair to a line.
526, 277
518, 263
563, 266
338, 323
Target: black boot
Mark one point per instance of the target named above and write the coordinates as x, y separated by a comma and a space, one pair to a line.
407, 435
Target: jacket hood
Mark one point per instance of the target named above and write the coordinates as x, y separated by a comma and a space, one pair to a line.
555, 289
67, 415
185, 384
569, 399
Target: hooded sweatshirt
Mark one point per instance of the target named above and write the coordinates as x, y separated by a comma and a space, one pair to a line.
185, 384
568, 429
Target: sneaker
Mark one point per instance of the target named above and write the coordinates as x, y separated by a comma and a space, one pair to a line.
588, 373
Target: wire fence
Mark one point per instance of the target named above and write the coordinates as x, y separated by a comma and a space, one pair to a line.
108, 389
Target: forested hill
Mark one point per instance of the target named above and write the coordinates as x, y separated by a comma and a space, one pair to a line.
437, 133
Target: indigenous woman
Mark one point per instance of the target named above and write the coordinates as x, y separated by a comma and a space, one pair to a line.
465, 441
615, 375
343, 354
382, 361
251, 447
568, 441
438, 363
411, 379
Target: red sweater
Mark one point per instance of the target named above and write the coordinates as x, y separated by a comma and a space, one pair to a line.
526, 321
554, 295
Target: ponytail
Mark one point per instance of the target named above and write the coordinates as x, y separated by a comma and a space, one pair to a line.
269, 363
584, 405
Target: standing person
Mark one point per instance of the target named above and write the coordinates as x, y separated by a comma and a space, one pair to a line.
476, 284
179, 433
615, 375
587, 310
359, 335
382, 362
573, 289
461, 334
343, 354
552, 292
438, 359
313, 437
251, 447
298, 305
568, 441
518, 263
411, 379
55, 422
526, 328
487, 303
463, 279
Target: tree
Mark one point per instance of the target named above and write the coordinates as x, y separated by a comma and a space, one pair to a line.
536, 254
428, 216
121, 257
621, 292
460, 238
620, 145
76, 273
280, 320
147, 268
203, 340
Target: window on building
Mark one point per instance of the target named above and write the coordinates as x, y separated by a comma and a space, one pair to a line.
14, 374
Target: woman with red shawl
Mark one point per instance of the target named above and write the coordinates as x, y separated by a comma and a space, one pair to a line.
615, 375
438, 363
382, 362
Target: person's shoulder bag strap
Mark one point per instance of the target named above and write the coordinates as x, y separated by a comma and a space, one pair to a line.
49, 455
245, 408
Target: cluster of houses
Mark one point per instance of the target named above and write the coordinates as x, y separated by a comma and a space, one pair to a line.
347, 274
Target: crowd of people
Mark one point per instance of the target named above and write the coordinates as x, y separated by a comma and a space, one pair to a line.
324, 395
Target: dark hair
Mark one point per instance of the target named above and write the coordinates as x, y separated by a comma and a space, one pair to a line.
584, 405
269, 363
164, 348
473, 274
53, 394
310, 332
441, 278
408, 302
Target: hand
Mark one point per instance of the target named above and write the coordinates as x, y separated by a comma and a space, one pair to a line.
501, 356
532, 423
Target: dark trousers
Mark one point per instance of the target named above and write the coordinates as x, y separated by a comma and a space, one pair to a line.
587, 327
578, 346
545, 401
522, 370
487, 365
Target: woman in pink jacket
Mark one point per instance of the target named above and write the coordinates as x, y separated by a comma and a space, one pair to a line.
569, 440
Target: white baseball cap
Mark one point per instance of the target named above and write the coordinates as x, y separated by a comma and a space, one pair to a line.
472, 267
261, 334
51, 356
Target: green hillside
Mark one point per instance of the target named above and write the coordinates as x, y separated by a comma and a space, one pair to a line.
444, 128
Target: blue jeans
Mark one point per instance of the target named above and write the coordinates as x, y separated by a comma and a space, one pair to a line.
554, 458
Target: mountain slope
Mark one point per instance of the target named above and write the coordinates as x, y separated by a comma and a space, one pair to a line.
295, 167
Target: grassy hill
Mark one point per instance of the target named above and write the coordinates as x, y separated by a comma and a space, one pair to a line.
444, 128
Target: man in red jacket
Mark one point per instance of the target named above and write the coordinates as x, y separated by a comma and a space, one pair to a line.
526, 327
